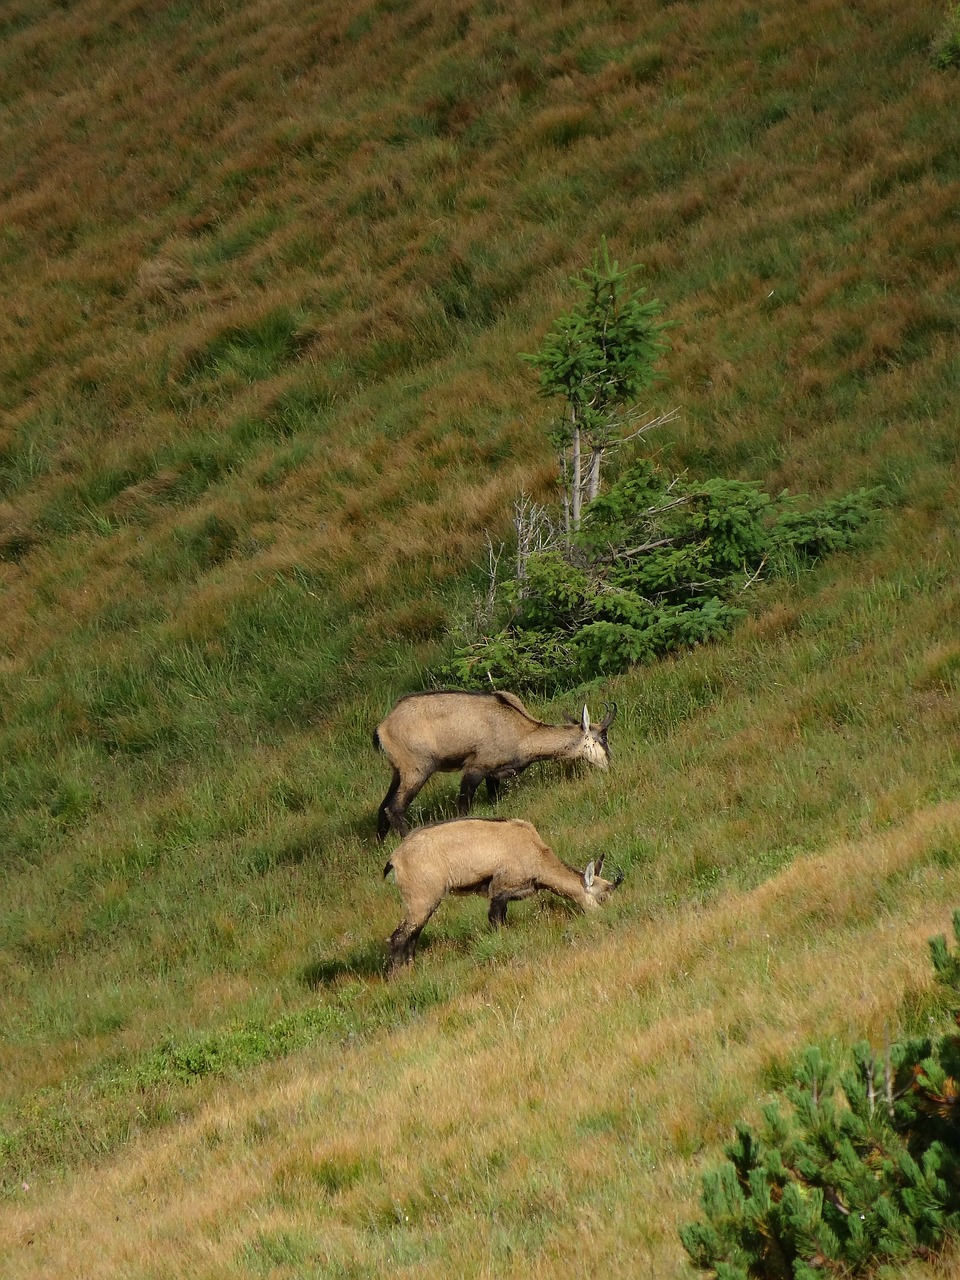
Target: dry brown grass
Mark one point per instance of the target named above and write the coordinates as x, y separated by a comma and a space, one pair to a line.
576, 1089
112, 309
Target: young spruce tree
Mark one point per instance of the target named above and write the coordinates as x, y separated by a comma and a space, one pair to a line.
598, 359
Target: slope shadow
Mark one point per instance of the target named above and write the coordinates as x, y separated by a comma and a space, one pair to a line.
441, 809
368, 960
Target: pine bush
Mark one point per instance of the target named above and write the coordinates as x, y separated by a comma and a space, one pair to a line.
859, 1168
660, 563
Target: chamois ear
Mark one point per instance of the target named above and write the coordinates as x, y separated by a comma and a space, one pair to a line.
588, 876
585, 720
597, 870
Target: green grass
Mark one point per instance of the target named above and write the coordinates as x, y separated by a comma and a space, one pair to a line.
697, 727
261, 400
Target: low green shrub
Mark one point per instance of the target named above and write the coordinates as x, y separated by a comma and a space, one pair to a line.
841, 1185
659, 564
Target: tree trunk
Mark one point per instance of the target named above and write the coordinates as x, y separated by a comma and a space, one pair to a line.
565, 489
575, 479
593, 472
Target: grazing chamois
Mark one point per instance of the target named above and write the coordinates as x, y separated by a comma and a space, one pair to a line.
503, 859
490, 736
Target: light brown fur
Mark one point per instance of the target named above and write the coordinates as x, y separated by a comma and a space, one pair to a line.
489, 736
502, 859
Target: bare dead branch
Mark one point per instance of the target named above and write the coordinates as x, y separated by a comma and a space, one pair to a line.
833, 1196
581, 458
750, 581
646, 546
668, 506
661, 420
535, 532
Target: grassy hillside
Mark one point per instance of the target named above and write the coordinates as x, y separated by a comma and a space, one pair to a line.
265, 270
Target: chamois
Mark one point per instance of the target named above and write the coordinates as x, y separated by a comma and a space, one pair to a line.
490, 736
503, 859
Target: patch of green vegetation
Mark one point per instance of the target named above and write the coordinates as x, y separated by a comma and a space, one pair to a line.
27, 453
273, 1250
238, 1048
869, 1180
144, 1090
206, 544
236, 241
659, 564
303, 408
252, 352
945, 50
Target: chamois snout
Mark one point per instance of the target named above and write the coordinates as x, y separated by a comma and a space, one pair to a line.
598, 890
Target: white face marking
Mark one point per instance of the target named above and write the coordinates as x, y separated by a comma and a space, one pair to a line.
592, 750
599, 890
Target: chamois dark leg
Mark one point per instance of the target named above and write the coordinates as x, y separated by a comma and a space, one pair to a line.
497, 915
383, 815
502, 892
403, 944
493, 787
403, 798
468, 787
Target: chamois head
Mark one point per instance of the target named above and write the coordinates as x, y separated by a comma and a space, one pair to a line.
597, 890
593, 747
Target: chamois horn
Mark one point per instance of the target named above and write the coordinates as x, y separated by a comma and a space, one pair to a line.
607, 720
